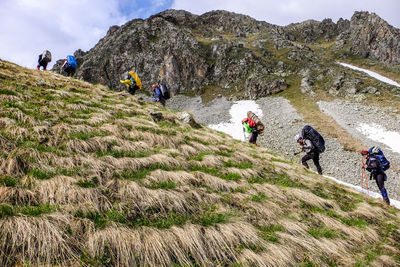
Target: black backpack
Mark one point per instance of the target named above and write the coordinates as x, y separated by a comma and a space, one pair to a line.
164, 91
316, 139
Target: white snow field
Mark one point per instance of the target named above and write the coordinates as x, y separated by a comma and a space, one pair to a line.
372, 74
238, 112
380, 134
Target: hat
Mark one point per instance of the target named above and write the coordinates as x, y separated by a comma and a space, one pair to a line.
154, 86
298, 137
244, 120
364, 152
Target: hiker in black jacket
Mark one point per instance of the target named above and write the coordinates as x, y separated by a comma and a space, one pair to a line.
311, 153
373, 165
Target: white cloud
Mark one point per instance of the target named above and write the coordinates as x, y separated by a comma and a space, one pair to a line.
30, 26
284, 12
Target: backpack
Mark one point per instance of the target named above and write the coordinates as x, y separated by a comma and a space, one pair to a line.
46, 56
316, 139
71, 61
257, 121
252, 124
378, 154
137, 79
164, 91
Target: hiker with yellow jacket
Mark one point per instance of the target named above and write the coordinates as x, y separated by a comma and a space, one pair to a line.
132, 82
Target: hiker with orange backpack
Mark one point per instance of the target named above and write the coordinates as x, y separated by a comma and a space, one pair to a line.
249, 126
377, 164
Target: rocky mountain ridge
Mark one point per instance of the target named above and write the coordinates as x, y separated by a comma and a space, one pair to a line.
233, 54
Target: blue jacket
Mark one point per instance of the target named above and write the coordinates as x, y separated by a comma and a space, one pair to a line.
157, 94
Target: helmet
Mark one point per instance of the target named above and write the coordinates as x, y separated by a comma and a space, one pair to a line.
364, 152
127, 77
298, 137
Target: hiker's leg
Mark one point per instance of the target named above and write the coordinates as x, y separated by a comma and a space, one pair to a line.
304, 160
253, 137
380, 181
162, 101
316, 162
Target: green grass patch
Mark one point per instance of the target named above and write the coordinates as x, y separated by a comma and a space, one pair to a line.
281, 160
86, 136
167, 124
319, 232
8, 210
225, 153
239, 165
9, 181
86, 183
210, 218
268, 233
281, 179
200, 156
230, 176
164, 185
125, 153
41, 174
134, 175
6, 92
156, 130
211, 171
259, 197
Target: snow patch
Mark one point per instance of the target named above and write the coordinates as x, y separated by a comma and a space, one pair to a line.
238, 112
372, 74
380, 134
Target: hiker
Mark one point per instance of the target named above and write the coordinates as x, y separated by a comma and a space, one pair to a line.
69, 65
158, 96
377, 170
44, 59
249, 126
132, 82
311, 153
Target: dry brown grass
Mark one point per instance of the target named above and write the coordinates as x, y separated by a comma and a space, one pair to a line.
71, 146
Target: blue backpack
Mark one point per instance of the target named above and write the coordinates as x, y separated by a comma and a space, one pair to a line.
71, 61
378, 154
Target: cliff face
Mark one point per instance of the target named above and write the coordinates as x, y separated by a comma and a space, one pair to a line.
236, 53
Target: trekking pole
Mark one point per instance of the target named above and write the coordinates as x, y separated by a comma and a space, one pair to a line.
364, 175
244, 135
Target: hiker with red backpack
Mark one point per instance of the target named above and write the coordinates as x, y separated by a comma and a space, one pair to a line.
313, 144
249, 126
376, 163
44, 59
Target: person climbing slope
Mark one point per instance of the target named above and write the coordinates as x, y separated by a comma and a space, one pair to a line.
158, 96
249, 126
69, 65
311, 153
377, 164
44, 59
132, 82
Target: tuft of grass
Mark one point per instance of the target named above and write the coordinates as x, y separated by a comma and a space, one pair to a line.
164, 185
86, 136
38, 210
318, 232
41, 174
6, 211
239, 165
86, 183
200, 156
259, 197
230, 176
9, 181
124, 153
281, 160
6, 92
225, 153
210, 218
268, 233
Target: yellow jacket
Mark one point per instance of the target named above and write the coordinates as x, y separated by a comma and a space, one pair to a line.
136, 79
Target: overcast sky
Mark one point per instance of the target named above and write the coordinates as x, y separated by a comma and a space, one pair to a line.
62, 26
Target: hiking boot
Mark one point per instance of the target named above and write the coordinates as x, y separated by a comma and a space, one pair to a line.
255, 144
386, 199
38, 68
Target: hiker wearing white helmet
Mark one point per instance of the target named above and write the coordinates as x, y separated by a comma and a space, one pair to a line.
311, 153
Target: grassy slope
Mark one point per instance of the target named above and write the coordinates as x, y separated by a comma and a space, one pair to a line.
87, 177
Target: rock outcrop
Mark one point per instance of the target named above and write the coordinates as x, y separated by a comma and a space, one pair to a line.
226, 50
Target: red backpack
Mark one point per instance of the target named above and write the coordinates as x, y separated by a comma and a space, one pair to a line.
252, 124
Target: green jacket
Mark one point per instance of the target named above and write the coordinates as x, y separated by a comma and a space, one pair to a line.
247, 127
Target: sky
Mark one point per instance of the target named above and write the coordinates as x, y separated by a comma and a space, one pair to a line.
62, 26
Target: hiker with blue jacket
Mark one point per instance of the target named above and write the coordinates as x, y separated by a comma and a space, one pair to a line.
69, 65
158, 96
377, 167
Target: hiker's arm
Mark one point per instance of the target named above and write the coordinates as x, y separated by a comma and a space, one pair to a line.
307, 145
